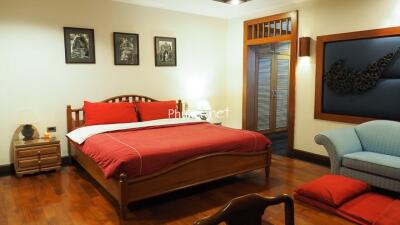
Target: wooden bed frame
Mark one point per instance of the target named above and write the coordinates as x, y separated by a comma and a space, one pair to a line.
123, 190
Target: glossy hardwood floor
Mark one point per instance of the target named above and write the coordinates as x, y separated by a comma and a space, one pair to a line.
68, 198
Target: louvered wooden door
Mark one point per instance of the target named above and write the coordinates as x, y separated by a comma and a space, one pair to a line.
272, 82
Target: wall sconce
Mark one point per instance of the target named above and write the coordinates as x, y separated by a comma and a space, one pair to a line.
304, 46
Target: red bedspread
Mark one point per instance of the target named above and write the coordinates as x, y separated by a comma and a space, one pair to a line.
144, 151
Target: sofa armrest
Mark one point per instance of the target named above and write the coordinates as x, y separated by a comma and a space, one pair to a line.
338, 143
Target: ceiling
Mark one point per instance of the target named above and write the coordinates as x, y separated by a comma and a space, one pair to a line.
213, 8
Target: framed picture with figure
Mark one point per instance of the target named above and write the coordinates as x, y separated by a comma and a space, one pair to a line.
126, 49
165, 51
79, 45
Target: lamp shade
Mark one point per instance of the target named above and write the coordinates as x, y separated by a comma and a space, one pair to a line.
203, 105
304, 46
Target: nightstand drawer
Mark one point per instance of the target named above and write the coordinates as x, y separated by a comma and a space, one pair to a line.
28, 152
28, 163
50, 150
50, 160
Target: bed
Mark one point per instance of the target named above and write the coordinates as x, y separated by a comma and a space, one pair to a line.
123, 188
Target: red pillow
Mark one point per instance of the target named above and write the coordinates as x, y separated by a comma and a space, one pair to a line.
157, 110
332, 189
390, 216
108, 113
369, 207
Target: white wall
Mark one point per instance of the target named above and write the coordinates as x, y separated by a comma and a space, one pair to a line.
318, 17
35, 80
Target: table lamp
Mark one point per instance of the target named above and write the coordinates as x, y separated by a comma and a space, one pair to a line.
205, 107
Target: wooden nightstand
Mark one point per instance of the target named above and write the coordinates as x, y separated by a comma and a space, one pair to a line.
36, 155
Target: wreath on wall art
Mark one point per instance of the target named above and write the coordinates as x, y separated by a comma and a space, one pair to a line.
344, 81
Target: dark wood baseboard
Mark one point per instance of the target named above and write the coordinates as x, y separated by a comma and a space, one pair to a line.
66, 161
7, 170
309, 157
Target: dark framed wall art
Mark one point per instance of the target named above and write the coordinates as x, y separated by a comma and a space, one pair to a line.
165, 51
126, 49
358, 76
79, 45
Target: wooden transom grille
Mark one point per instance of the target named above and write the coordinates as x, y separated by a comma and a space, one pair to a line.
275, 28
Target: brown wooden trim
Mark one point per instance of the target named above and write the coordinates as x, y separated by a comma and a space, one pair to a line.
203, 157
383, 32
292, 81
292, 37
271, 18
267, 40
245, 60
309, 157
321, 41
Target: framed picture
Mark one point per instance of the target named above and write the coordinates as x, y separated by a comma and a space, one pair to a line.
358, 76
79, 45
165, 51
126, 49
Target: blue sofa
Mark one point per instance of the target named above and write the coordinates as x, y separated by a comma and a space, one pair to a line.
368, 152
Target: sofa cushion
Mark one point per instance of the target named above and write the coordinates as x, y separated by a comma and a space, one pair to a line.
380, 136
375, 163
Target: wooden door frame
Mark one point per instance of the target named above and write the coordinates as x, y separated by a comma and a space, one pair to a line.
293, 15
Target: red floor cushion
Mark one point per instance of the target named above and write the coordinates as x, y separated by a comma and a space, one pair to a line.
391, 215
366, 207
332, 189
350, 199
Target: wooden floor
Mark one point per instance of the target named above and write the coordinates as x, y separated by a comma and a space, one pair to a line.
68, 198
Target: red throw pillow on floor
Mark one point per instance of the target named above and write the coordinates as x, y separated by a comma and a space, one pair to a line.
390, 216
109, 113
157, 110
332, 189
366, 207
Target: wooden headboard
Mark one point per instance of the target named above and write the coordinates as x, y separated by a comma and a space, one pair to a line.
76, 117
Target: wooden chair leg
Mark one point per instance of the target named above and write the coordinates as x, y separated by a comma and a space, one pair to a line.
289, 211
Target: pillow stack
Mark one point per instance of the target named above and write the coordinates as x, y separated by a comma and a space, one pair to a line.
125, 112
